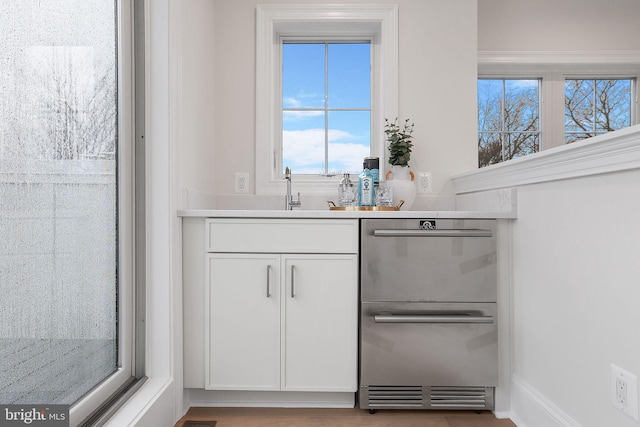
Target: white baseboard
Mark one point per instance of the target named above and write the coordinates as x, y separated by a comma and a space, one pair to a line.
210, 398
151, 406
501, 415
529, 408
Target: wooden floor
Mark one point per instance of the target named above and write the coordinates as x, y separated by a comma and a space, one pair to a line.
277, 417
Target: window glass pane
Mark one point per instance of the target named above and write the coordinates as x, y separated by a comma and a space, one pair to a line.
489, 105
613, 102
349, 75
596, 106
349, 140
303, 142
58, 270
489, 148
521, 105
326, 138
520, 144
579, 106
575, 136
303, 73
508, 119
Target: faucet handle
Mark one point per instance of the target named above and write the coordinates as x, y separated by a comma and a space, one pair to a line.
295, 203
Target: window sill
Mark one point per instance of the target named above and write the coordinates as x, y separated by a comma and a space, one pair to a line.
612, 152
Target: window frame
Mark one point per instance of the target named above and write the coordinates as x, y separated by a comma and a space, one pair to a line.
379, 23
553, 68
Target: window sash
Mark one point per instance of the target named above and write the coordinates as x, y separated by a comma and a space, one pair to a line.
325, 109
504, 134
575, 135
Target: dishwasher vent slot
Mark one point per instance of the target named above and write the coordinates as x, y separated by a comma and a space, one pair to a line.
461, 397
395, 396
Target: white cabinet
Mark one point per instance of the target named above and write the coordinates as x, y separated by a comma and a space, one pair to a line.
278, 319
244, 322
319, 351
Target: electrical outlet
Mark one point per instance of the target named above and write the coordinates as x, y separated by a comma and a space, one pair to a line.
242, 182
624, 391
424, 182
621, 391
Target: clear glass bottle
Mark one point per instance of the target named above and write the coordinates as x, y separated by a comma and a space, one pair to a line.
347, 192
366, 191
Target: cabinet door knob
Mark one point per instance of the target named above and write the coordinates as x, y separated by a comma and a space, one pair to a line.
268, 281
293, 294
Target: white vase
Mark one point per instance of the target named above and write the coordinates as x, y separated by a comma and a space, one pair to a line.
403, 186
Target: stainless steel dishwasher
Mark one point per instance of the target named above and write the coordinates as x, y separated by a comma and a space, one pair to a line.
428, 337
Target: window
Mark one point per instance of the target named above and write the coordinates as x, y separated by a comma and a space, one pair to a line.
569, 108
345, 32
596, 106
66, 216
326, 106
581, 94
508, 119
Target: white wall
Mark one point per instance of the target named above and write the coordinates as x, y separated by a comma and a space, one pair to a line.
574, 276
575, 273
437, 88
576, 292
438, 44
194, 62
558, 25
564, 354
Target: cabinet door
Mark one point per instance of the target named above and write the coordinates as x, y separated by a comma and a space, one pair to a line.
243, 322
320, 323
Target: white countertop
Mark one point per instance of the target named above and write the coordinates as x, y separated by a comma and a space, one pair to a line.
495, 204
336, 214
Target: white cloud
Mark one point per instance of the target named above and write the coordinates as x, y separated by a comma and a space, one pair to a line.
291, 116
304, 150
291, 102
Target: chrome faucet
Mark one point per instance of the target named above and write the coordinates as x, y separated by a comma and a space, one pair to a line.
289, 203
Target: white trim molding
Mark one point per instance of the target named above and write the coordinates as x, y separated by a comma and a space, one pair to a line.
611, 152
560, 57
529, 408
614, 62
298, 20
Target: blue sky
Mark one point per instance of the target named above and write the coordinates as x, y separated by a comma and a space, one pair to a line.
303, 89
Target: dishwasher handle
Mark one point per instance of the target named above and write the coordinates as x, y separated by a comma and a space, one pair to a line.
430, 318
433, 233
